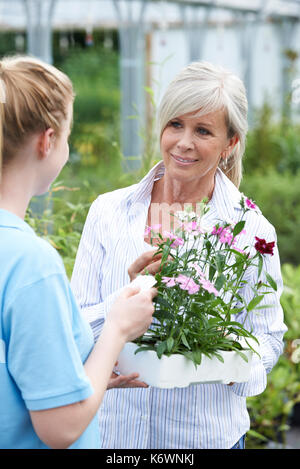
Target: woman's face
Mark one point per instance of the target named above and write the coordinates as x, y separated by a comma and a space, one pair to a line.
192, 146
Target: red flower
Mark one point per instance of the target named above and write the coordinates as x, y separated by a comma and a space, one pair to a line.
263, 247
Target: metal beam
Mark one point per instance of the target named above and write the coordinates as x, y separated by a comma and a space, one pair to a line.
39, 14
132, 48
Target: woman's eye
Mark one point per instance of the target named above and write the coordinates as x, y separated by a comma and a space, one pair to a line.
175, 124
202, 131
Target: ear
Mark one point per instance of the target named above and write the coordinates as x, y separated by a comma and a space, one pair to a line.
229, 148
45, 143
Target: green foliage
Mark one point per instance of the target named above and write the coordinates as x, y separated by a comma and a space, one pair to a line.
272, 144
199, 282
95, 76
60, 222
270, 412
278, 196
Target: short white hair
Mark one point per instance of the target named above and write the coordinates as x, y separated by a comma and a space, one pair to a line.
204, 87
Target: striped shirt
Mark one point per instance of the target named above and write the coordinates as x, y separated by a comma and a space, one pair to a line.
200, 415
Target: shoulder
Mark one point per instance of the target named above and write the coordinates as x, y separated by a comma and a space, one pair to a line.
232, 200
113, 199
36, 257
109, 208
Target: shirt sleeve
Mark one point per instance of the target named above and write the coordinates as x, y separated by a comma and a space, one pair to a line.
267, 325
88, 272
43, 357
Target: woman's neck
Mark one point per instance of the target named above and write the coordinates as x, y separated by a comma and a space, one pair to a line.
171, 191
15, 193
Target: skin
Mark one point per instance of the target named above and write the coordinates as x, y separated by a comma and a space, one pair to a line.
30, 172
201, 142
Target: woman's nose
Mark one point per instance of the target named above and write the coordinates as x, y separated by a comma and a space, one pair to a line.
185, 141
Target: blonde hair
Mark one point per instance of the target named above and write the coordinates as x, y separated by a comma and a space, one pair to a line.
206, 88
34, 96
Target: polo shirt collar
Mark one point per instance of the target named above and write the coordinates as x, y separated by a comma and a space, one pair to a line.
10, 220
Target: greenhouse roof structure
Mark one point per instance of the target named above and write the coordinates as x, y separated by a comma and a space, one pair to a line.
132, 18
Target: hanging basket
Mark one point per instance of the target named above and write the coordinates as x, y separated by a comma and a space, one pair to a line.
177, 371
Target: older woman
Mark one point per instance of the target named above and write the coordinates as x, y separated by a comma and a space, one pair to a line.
203, 126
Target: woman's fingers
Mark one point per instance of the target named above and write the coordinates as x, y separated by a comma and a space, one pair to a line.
148, 260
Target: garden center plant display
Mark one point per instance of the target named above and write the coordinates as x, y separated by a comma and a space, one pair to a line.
194, 336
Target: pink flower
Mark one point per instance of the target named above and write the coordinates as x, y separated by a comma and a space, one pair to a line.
187, 283
225, 235
207, 285
238, 249
191, 226
250, 204
216, 231
148, 229
177, 240
169, 281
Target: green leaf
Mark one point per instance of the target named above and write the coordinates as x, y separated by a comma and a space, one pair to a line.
254, 302
238, 228
241, 354
184, 341
161, 348
271, 281
219, 357
220, 282
260, 265
143, 349
220, 261
197, 356
170, 343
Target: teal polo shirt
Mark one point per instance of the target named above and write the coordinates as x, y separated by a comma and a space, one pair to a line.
44, 340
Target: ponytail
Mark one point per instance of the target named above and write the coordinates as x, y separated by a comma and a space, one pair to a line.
34, 96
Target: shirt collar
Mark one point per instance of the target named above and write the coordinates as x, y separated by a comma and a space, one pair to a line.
10, 220
226, 197
144, 187
225, 200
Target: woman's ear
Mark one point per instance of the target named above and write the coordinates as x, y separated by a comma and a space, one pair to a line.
232, 143
45, 143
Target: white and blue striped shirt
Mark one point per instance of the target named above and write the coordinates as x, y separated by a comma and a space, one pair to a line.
198, 416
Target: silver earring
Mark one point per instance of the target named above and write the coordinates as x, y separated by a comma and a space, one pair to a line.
225, 163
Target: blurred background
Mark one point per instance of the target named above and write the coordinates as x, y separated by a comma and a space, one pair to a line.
121, 55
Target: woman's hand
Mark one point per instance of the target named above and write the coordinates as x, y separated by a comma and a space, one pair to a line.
148, 261
125, 381
131, 314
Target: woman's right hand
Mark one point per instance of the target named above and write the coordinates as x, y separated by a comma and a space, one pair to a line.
132, 312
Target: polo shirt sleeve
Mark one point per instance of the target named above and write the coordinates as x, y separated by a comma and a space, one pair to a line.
43, 357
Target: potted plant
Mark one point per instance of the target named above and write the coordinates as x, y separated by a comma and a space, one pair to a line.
194, 337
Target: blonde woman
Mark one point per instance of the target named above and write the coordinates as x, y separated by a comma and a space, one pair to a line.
52, 376
202, 131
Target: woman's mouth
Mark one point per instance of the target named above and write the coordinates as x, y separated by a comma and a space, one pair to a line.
183, 161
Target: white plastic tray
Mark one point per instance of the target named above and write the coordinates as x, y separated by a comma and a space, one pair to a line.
178, 371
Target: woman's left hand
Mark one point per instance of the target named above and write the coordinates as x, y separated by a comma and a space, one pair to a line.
125, 381
148, 261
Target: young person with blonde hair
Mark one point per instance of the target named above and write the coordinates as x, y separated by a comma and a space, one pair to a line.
52, 377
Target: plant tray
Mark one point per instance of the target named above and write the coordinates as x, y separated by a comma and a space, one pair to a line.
178, 371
